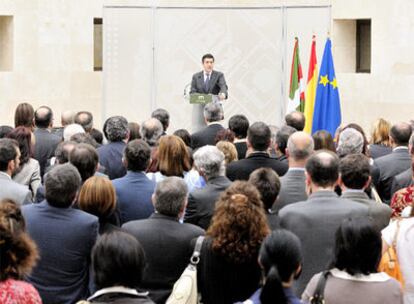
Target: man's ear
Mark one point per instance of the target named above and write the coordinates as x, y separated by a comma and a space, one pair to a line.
368, 183
249, 145
287, 153
153, 199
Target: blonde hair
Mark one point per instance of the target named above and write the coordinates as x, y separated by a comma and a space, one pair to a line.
229, 150
380, 132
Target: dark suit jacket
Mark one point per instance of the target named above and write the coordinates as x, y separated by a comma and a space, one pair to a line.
292, 189
380, 213
315, 222
110, 156
389, 166
241, 148
241, 169
201, 202
133, 192
217, 83
377, 151
167, 246
45, 147
64, 237
205, 136
402, 180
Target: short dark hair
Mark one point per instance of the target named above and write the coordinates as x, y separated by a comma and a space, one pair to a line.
62, 151
8, 152
116, 128
268, 183
322, 167
323, 141
137, 154
85, 158
401, 133
239, 124
163, 116
5, 130
296, 120
118, 259
85, 119
355, 170
97, 135
184, 135
134, 131
258, 136
84, 138
43, 120
357, 246
207, 56
282, 137
62, 183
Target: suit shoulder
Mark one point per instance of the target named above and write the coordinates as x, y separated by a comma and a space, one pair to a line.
193, 229
292, 208
84, 216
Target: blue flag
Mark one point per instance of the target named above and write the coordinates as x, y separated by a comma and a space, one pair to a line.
327, 111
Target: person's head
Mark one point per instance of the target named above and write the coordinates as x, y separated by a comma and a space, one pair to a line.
9, 155
5, 130
23, 136
280, 257
43, 117
18, 253
224, 135
299, 147
322, 169
258, 136
357, 127
381, 132
355, 171
96, 135
411, 145
151, 131
97, 196
400, 134
24, 115
116, 128
213, 111
209, 162
268, 183
71, 130
85, 158
229, 150
118, 259
282, 137
170, 197
239, 223
239, 124
85, 119
208, 62
273, 131
163, 116
62, 183
63, 150
67, 118
173, 156
323, 140
84, 138
358, 246
184, 135
296, 120
350, 142
137, 155
134, 132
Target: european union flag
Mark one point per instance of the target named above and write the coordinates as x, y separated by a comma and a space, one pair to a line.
327, 111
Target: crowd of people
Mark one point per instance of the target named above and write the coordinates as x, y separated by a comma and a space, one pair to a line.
287, 217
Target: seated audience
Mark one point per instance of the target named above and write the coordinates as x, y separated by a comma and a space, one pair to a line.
166, 242
85, 119
229, 151
295, 120
71, 130
380, 139
134, 132
239, 124
323, 141
164, 117
24, 116
282, 137
353, 276
65, 237
228, 270
18, 255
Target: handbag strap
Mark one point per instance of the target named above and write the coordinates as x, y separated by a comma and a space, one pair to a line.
195, 257
394, 241
318, 295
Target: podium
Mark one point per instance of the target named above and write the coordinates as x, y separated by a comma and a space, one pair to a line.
203, 99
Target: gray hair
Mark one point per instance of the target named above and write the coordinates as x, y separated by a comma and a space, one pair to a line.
300, 145
151, 131
213, 111
350, 142
116, 128
68, 117
210, 160
170, 196
71, 130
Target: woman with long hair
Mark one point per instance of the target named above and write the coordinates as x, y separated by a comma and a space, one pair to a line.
380, 139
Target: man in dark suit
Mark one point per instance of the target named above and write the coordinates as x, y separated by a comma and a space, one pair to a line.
293, 188
45, 141
394, 163
64, 236
166, 242
355, 177
209, 162
110, 155
258, 142
239, 124
135, 189
315, 220
213, 114
405, 178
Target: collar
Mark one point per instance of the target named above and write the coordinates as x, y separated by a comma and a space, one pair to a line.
323, 193
373, 277
157, 215
296, 169
240, 140
400, 148
258, 153
214, 123
117, 289
354, 191
205, 74
5, 174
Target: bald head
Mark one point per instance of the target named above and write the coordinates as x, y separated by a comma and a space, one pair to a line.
151, 131
296, 120
43, 117
300, 146
322, 168
400, 134
67, 118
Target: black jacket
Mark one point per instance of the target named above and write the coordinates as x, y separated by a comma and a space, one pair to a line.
205, 136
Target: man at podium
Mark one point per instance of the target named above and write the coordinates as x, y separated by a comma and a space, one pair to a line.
207, 81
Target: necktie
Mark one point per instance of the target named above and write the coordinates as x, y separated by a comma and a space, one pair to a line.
206, 82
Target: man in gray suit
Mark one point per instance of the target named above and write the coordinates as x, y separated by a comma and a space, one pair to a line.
293, 189
315, 220
405, 178
355, 177
9, 162
207, 81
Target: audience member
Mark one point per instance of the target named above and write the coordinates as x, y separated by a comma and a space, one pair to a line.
405, 178
24, 116
5, 130
66, 118
71, 130
350, 142
84, 138
323, 141
402, 199
151, 132
282, 137
239, 124
380, 139
185, 136
358, 128
97, 136
229, 150
273, 131
85, 119
134, 132
164, 117
295, 120
224, 135
84, 158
